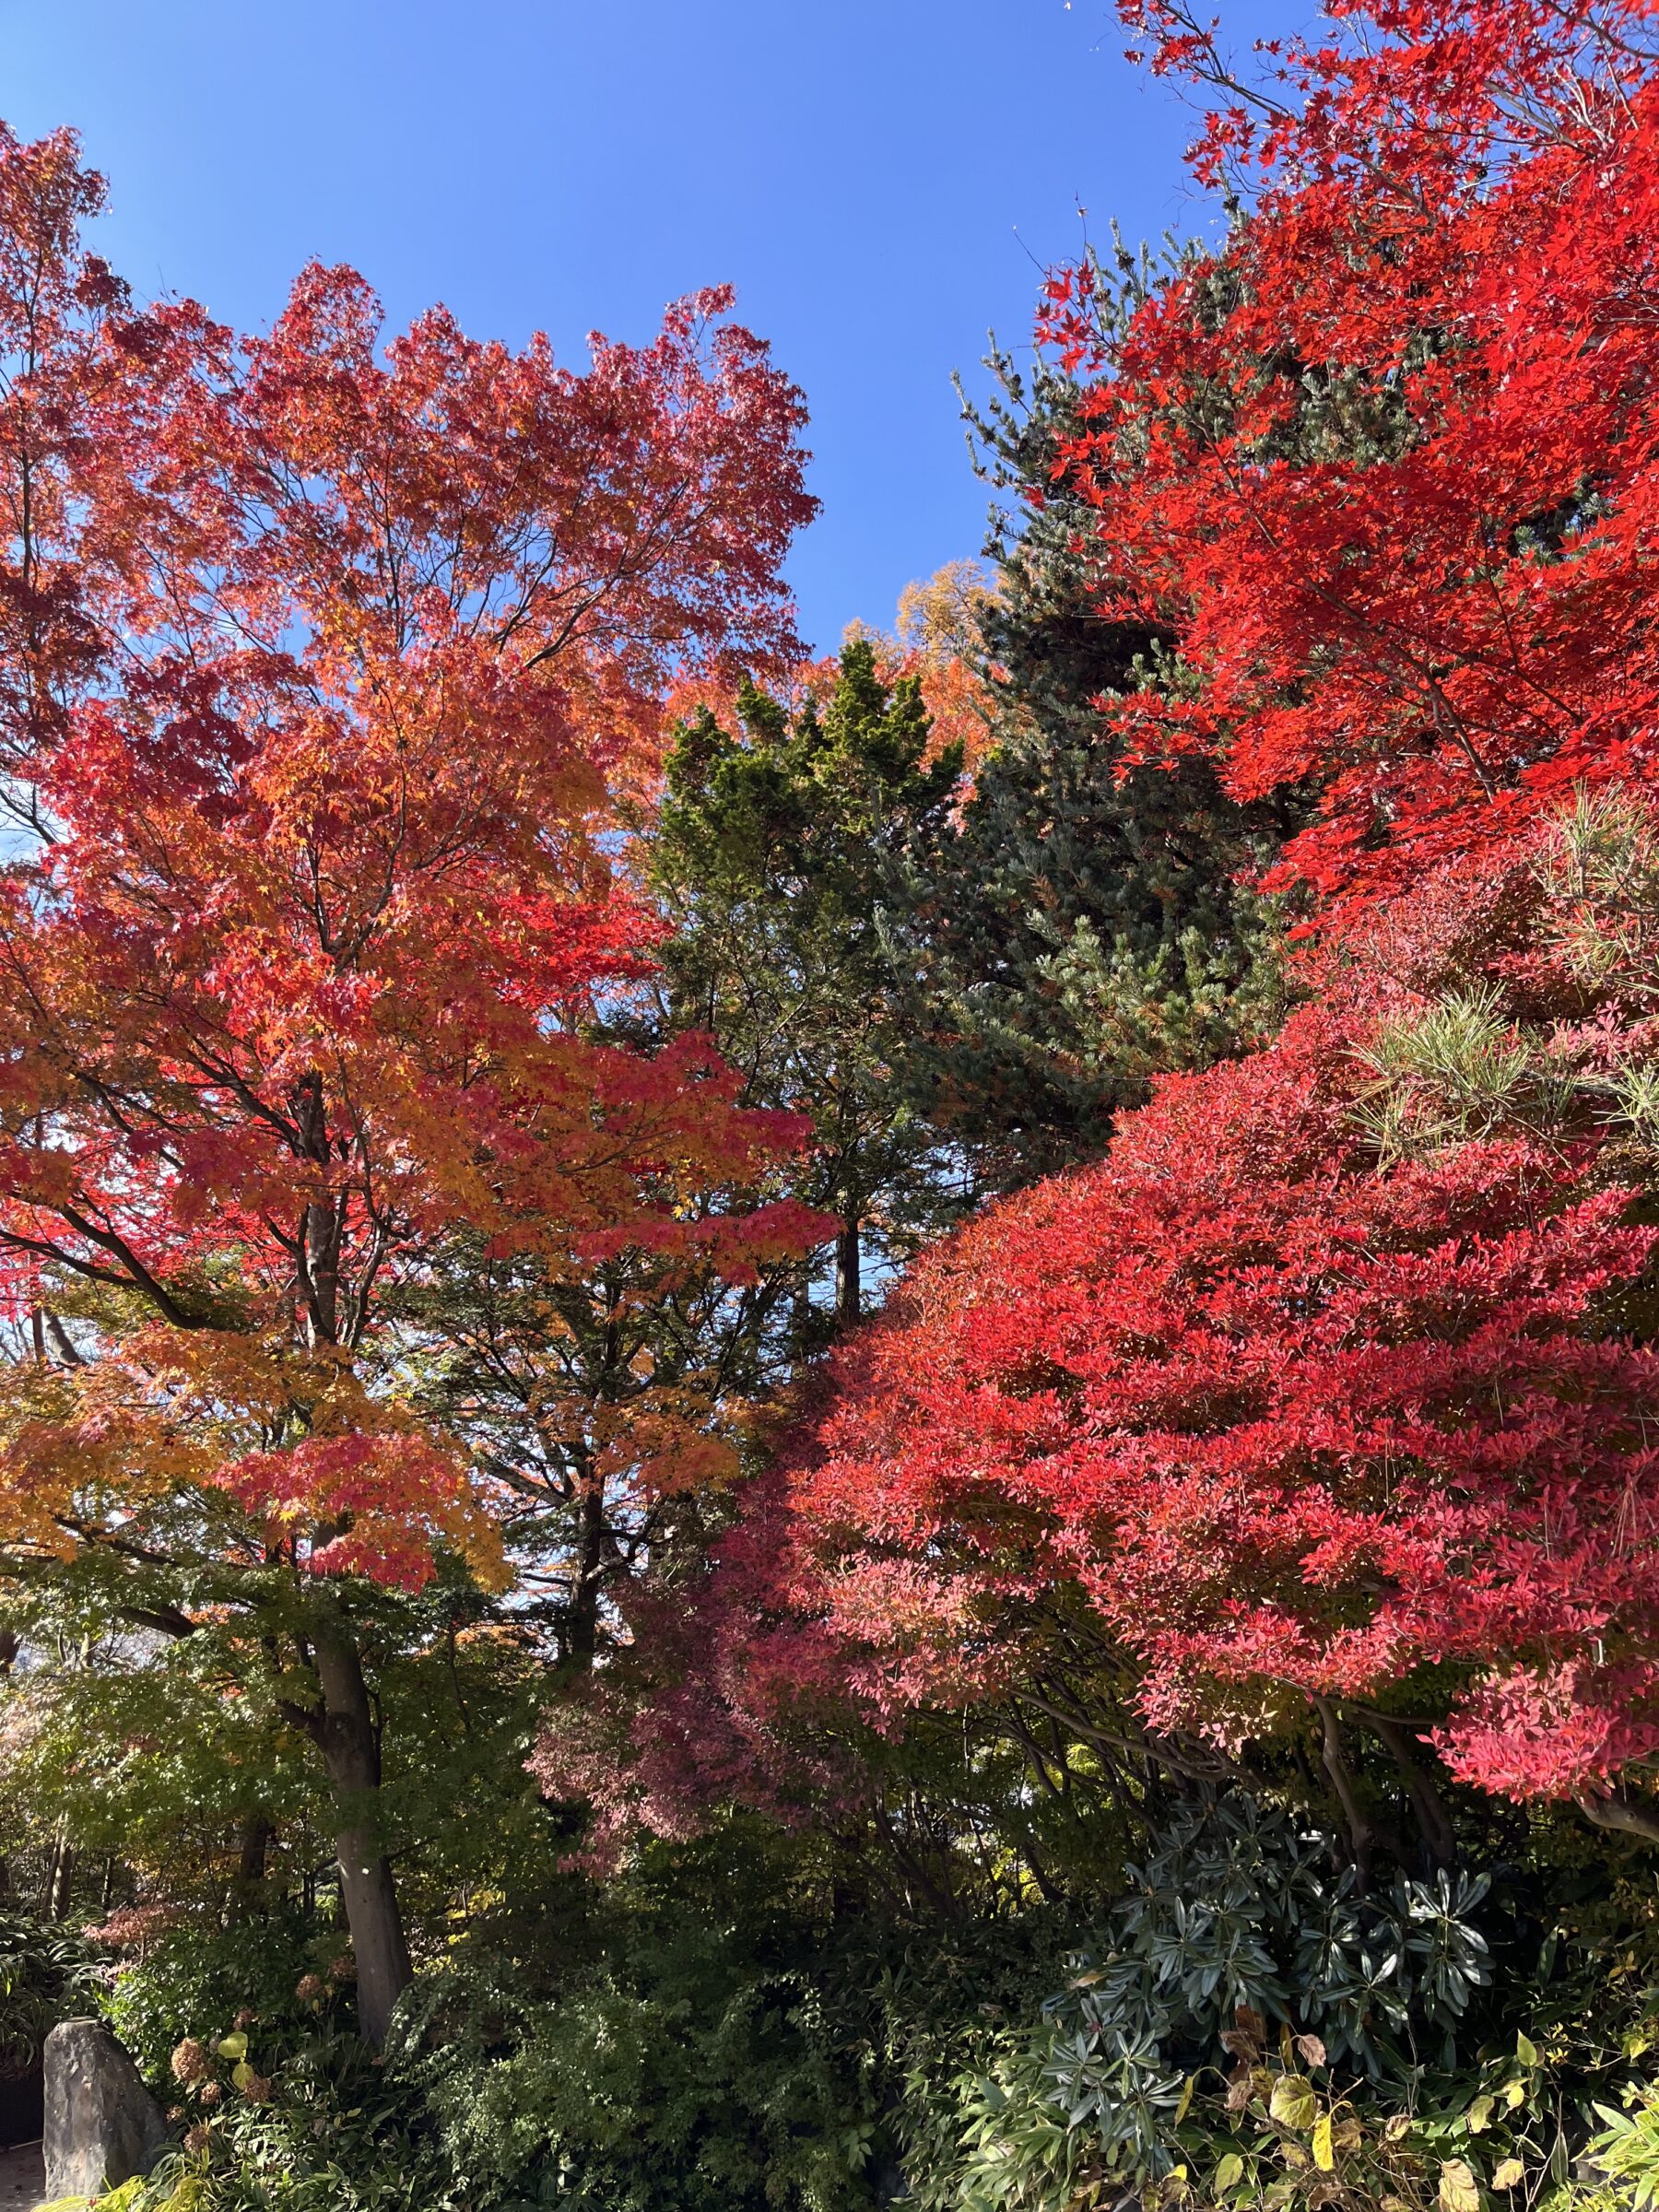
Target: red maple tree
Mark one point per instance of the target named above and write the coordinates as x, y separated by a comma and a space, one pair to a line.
1380, 469
1323, 1394
1318, 1403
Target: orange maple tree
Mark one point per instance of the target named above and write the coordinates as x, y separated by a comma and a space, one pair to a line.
322, 658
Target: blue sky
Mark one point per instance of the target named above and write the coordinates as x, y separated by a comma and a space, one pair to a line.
879, 178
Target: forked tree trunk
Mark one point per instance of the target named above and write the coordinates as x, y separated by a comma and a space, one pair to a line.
351, 1752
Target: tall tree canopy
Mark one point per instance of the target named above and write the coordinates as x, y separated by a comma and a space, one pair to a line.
327, 654
1379, 469
1094, 923
1326, 1396
782, 853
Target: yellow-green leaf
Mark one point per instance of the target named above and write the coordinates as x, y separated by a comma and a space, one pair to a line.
1459, 2191
1324, 2154
1185, 2106
1509, 2174
234, 2046
1515, 2094
241, 2074
1526, 2050
1293, 2102
1481, 2114
1230, 2173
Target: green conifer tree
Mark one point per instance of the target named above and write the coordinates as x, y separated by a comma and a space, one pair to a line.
777, 854
1090, 925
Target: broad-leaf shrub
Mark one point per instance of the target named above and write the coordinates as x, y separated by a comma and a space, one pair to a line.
1242, 1908
274, 1975
47, 1972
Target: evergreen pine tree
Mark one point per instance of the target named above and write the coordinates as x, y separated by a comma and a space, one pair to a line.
1090, 925
777, 855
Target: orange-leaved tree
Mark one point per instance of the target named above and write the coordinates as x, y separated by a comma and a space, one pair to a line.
322, 657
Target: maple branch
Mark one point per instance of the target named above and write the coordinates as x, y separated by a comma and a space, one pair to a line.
1429, 1807
137, 1278
1618, 1814
1364, 1832
62, 1342
1144, 1746
167, 1620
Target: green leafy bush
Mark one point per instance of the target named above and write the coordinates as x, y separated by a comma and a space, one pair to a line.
1627, 2149
327, 2132
203, 1982
46, 1975
713, 2083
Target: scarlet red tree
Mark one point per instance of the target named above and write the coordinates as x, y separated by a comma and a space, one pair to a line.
1378, 471
1328, 1393
1323, 1396
323, 655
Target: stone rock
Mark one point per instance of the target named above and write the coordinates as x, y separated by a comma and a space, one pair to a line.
103, 2125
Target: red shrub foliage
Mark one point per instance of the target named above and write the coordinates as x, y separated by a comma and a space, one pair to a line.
1303, 1415
1293, 1426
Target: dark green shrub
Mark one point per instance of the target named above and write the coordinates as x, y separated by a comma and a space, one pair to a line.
47, 1974
700, 2082
204, 1984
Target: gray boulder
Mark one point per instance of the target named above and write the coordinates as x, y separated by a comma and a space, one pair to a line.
103, 2125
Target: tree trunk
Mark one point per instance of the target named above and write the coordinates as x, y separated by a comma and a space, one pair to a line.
253, 1846
60, 1876
351, 1752
1364, 1832
802, 1329
582, 1631
847, 1293
1427, 1806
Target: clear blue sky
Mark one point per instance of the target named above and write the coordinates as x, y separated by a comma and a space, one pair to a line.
877, 177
